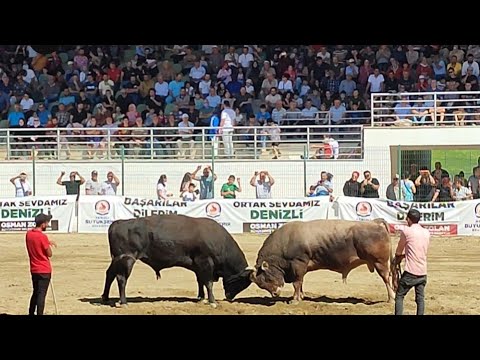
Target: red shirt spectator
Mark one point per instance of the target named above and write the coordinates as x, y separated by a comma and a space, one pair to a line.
114, 73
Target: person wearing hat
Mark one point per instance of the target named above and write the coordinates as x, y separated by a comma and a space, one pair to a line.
413, 246
93, 186
22, 186
39, 251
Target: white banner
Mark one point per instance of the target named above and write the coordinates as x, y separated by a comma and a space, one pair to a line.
96, 213
18, 214
441, 218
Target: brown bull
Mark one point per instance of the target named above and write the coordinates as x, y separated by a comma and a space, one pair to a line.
338, 245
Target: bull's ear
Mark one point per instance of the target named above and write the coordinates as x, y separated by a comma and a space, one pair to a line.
265, 266
253, 276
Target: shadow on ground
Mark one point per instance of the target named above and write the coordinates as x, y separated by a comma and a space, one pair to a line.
268, 301
139, 299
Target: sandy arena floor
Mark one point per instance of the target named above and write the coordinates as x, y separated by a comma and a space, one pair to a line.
80, 262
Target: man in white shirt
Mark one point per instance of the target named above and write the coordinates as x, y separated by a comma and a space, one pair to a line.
375, 82
333, 144
263, 188
186, 137
93, 186
197, 72
26, 103
161, 87
470, 63
22, 186
204, 85
227, 122
105, 84
109, 186
245, 59
278, 113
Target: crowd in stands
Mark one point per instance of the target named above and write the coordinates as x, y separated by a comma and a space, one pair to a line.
94, 87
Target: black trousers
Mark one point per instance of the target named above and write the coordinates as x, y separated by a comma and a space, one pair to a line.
407, 281
40, 286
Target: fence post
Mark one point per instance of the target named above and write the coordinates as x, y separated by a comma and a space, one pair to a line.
8, 144
123, 170
213, 170
399, 160
305, 156
34, 180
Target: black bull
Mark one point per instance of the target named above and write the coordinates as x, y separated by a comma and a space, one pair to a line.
198, 244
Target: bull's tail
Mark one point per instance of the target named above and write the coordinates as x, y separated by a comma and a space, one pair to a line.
383, 222
392, 266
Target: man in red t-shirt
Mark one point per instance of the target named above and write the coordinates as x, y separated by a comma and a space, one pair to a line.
39, 251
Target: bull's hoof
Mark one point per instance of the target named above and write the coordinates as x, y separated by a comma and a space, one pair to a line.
105, 300
121, 306
200, 299
205, 301
293, 302
213, 305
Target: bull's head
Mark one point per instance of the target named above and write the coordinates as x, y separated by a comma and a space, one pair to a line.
233, 285
269, 278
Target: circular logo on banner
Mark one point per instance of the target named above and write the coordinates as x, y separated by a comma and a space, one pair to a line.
213, 209
477, 210
102, 207
363, 208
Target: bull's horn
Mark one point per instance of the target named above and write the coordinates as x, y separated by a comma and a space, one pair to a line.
250, 268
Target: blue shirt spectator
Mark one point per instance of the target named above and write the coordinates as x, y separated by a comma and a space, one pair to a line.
15, 116
43, 114
337, 112
263, 115
175, 86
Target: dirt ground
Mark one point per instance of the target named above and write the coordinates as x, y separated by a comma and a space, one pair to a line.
80, 262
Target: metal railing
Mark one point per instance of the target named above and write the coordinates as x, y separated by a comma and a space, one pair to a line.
446, 108
168, 143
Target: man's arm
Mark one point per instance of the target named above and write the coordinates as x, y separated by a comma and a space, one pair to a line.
435, 195
239, 185
12, 180
254, 178
362, 186
82, 179
47, 245
223, 192
115, 179
375, 186
401, 245
29, 192
194, 174
59, 180
270, 177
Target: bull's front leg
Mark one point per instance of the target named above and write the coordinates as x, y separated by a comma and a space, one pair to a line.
297, 293
299, 269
